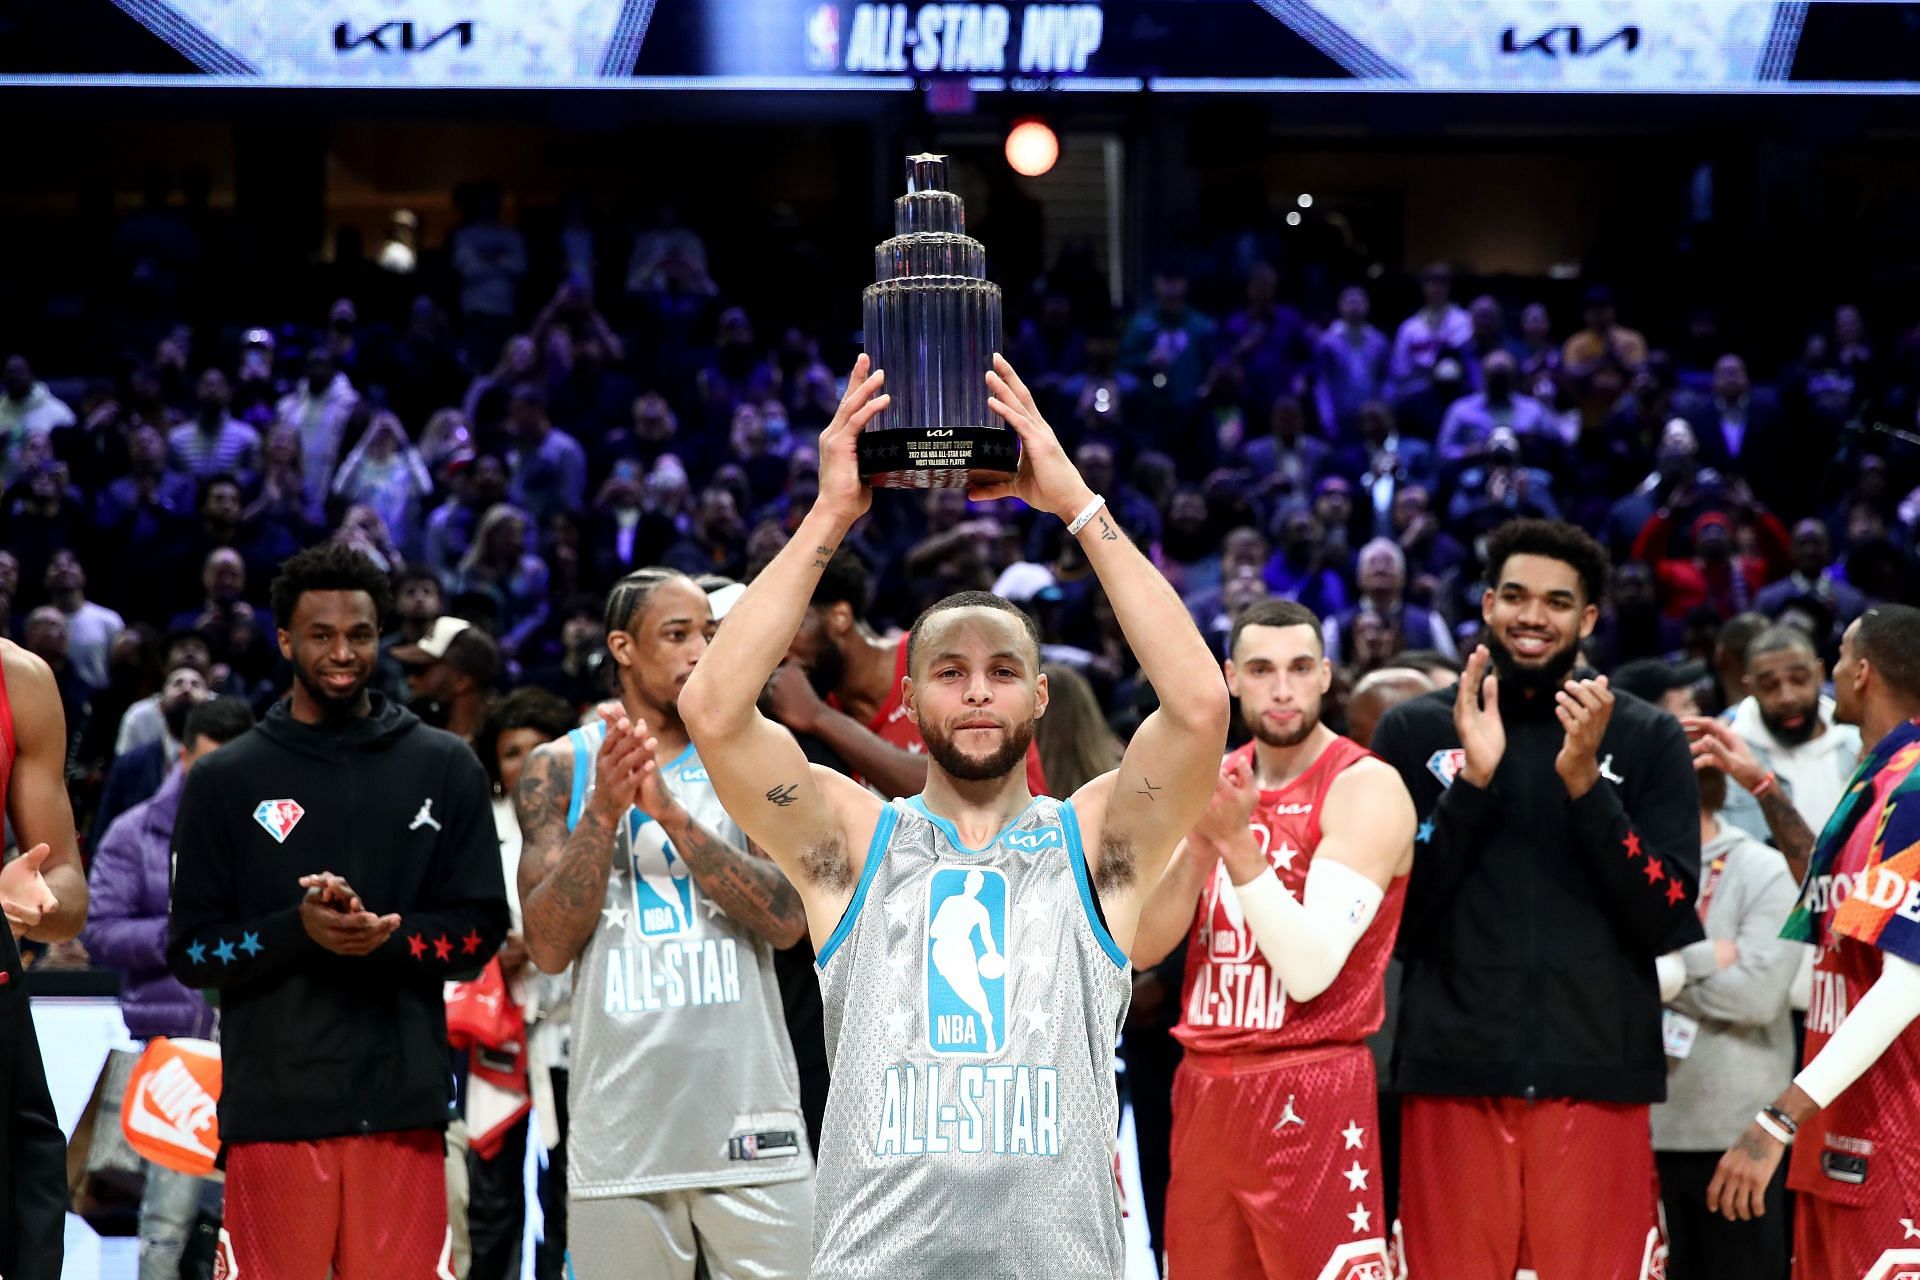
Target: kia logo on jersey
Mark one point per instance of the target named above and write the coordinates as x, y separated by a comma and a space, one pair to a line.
278, 818
1446, 764
1035, 840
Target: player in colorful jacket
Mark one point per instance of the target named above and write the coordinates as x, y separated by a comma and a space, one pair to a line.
972, 938
1852, 1115
1289, 892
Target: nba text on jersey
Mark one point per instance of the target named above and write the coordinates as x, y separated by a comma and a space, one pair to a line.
1001, 1110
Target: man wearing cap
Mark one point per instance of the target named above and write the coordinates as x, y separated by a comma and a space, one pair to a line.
1667, 685
451, 672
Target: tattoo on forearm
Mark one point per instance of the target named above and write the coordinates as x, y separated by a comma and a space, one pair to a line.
562, 907
1790, 830
821, 554
784, 795
1148, 790
750, 889
1107, 533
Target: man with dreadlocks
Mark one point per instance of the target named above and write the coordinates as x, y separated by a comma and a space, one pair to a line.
685, 1134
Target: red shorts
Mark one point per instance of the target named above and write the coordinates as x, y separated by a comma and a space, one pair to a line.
1487, 1184
1879, 1241
1276, 1168
362, 1207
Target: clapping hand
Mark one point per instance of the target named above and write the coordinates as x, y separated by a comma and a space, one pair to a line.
24, 892
1584, 707
1476, 719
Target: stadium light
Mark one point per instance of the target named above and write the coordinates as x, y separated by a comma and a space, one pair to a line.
1032, 148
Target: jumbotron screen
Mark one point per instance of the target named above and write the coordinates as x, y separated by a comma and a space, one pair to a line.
1114, 46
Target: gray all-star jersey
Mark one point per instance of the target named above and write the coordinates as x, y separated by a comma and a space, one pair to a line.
682, 1072
973, 999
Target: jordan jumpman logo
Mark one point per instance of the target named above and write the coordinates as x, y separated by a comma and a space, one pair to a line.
1289, 1116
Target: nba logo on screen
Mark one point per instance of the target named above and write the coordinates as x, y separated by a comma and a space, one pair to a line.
966, 961
823, 38
662, 885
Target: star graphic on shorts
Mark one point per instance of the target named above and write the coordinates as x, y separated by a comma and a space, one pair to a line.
224, 952
1654, 870
1632, 843
442, 948
1357, 1177
197, 953
250, 943
897, 1022
1674, 892
1425, 833
417, 945
616, 917
1913, 1232
470, 943
1361, 1218
1036, 1017
1354, 1135
899, 909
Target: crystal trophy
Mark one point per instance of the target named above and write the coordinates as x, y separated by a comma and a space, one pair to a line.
933, 322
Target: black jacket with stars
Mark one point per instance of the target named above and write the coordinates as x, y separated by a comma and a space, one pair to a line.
317, 1045
1533, 919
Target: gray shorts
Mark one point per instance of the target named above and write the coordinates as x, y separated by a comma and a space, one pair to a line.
739, 1233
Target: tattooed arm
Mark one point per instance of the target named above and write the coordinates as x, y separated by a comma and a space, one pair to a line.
563, 874
748, 887
814, 824
1716, 745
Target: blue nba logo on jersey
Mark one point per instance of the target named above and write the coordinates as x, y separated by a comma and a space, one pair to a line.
662, 884
966, 961
1035, 839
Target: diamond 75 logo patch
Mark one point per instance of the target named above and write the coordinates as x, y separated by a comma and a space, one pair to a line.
1446, 764
278, 818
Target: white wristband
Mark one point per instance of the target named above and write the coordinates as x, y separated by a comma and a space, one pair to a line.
1079, 522
1773, 1128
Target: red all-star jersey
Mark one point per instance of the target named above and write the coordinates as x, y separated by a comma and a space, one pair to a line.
1231, 1001
892, 723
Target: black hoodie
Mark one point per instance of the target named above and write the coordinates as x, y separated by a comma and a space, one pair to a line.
318, 1045
1533, 919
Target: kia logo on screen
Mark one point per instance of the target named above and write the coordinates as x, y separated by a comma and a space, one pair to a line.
1570, 42
400, 37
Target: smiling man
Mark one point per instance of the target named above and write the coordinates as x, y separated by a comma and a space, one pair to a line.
332, 869
1557, 856
972, 938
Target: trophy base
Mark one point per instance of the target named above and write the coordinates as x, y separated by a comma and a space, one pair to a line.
937, 457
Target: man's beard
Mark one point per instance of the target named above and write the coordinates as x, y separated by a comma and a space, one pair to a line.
1309, 721
965, 768
1809, 721
828, 670
1550, 674
335, 706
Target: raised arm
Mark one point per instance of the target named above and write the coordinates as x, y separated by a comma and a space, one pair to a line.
811, 821
1132, 819
37, 792
1716, 746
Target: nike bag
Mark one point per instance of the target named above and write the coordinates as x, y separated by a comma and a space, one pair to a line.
169, 1112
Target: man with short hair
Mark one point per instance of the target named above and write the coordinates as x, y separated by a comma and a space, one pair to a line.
1851, 1113
972, 939
214, 443
1350, 364
132, 867
1812, 576
90, 627
451, 674
841, 683
632, 869
549, 468
1558, 855
1381, 575
1287, 893
333, 869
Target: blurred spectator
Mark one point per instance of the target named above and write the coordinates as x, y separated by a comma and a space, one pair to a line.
549, 468
384, 471
1432, 342
1078, 746
1378, 692
47, 639
138, 771
810, 393
1729, 1041
224, 579
475, 486
1631, 623
716, 537
1501, 487
1812, 577
1243, 550
486, 403
452, 672
1190, 546
1383, 463
1268, 339
27, 407
1490, 335
489, 258
1598, 361
579, 674
90, 627
1168, 345
1287, 461
1740, 428
43, 514
1539, 355
214, 444
1787, 724
1671, 686
318, 408
1049, 349
1715, 573
738, 374
137, 505
667, 255
502, 567
624, 531
1676, 465
1351, 363
1382, 578
1472, 419
1298, 569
